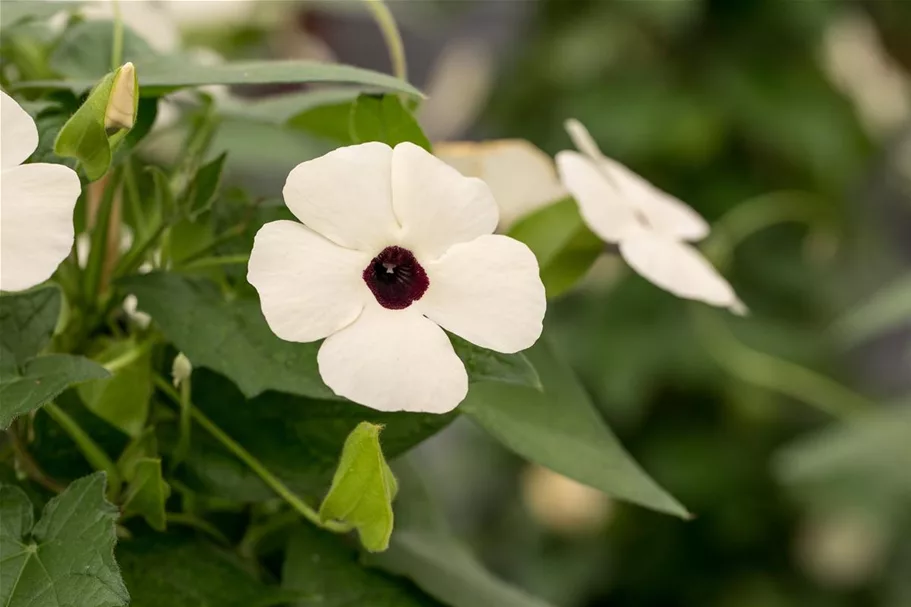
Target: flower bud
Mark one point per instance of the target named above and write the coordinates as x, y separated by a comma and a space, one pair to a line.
120, 112
181, 369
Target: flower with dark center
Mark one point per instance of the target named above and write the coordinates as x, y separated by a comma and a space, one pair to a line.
651, 228
396, 278
394, 248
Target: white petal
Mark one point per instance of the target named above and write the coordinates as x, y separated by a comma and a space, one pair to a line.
601, 205
679, 268
521, 177
435, 204
664, 212
582, 139
394, 360
18, 133
489, 292
36, 222
308, 286
346, 195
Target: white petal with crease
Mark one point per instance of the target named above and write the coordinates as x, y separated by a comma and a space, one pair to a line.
436, 205
308, 287
18, 133
394, 360
36, 232
600, 204
678, 268
346, 195
489, 292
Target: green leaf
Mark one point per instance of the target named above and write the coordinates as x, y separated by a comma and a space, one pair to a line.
423, 549
86, 136
563, 244
384, 118
16, 12
27, 322
888, 309
171, 571
363, 489
279, 109
298, 439
487, 365
147, 492
560, 428
123, 399
84, 51
40, 381
327, 121
67, 558
202, 190
327, 573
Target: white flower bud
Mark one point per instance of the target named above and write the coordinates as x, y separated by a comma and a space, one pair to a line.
181, 369
121, 109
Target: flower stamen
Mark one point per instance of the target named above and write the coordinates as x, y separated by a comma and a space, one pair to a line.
396, 278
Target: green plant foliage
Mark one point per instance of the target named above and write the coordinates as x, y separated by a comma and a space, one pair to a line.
123, 399
202, 190
147, 492
559, 428
68, 554
383, 118
40, 380
16, 12
327, 573
177, 571
424, 550
363, 489
27, 321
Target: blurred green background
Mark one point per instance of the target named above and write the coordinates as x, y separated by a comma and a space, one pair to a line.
787, 433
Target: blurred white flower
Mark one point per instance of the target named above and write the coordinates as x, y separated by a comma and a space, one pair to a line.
36, 204
841, 548
522, 177
394, 247
651, 227
563, 505
148, 19
181, 369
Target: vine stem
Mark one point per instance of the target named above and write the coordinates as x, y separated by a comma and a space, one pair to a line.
89, 448
391, 34
254, 464
117, 43
30, 466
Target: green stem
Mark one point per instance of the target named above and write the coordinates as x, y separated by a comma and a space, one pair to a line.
89, 448
254, 464
29, 465
127, 358
131, 187
228, 236
775, 374
386, 22
183, 440
256, 533
208, 262
117, 43
190, 520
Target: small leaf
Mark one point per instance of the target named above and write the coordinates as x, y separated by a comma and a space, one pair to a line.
363, 489
424, 550
562, 243
327, 573
144, 446
40, 381
171, 571
384, 118
68, 553
147, 492
123, 399
27, 322
204, 187
560, 428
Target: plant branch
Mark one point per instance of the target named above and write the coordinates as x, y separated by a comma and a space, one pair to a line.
391, 34
30, 466
94, 454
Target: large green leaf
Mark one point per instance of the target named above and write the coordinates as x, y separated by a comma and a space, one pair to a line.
383, 118
27, 322
562, 243
298, 439
363, 488
40, 381
279, 109
67, 558
327, 573
123, 399
424, 550
560, 428
172, 571
83, 57
232, 337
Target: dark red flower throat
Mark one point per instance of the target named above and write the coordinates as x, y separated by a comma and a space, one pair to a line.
396, 278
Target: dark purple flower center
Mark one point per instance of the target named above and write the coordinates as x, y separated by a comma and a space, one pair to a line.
396, 278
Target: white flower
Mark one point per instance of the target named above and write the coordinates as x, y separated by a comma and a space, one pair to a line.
651, 227
522, 177
36, 204
394, 246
